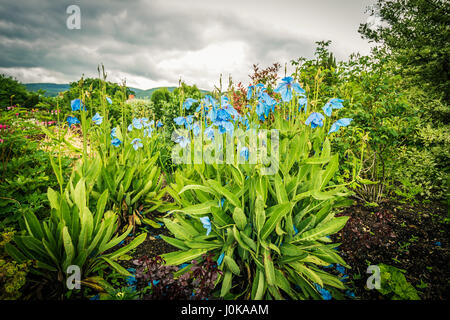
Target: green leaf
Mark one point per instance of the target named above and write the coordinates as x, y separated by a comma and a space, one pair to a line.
33, 225
223, 191
329, 171
68, 248
280, 210
302, 269
269, 269
260, 215
79, 194
53, 198
177, 230
179, 257
101, 204
232, 265
117, 267
175, 242
226, 283
328, 228
133, 244
198, 209
239, 218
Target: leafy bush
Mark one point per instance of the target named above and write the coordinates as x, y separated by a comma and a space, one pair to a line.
25, 171
267, 232
78, 232
400, 126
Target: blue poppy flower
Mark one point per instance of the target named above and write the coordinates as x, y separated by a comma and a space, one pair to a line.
139, 123
302, 103
148, 131
77, 105
315, 119
285, 88
244, 153
259, 89
72, 121
221, 202
188, 103
219, 261
131, 280
344, 278
340, 123
350, 294
245, 122
332, 105
250, 92
221, 115
97, 119
154, 282
114, 132
182, 266
196, 129
182, 141
206, 224
180, 120
109, 100
295, 230
116, 142
159, 124
137, 143
225, 126
96, 297
438, 243
209, 133
266, 104
340, 268
326, 295
189, 121
209, 101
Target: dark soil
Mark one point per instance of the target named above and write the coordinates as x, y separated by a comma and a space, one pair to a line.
412, 237
152, 246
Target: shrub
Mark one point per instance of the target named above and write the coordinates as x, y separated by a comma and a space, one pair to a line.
268, 233
78, 232
12, 274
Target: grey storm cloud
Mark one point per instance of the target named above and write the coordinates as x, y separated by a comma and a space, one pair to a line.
156, 42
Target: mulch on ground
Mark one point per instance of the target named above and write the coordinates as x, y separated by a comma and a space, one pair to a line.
412, 237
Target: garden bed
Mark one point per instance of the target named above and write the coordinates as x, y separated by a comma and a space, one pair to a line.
411, 237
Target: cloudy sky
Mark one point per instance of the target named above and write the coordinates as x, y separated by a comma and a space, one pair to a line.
153, 43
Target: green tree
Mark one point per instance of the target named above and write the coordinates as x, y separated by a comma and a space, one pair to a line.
416, 33
12, 92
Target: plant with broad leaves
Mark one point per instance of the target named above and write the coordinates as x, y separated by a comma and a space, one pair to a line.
78, 232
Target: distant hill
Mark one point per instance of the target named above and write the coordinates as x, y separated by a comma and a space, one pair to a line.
142, 94
52, 89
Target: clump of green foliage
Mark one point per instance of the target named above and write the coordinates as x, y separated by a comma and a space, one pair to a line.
25, 171
394, 284
12, 274
12, 92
